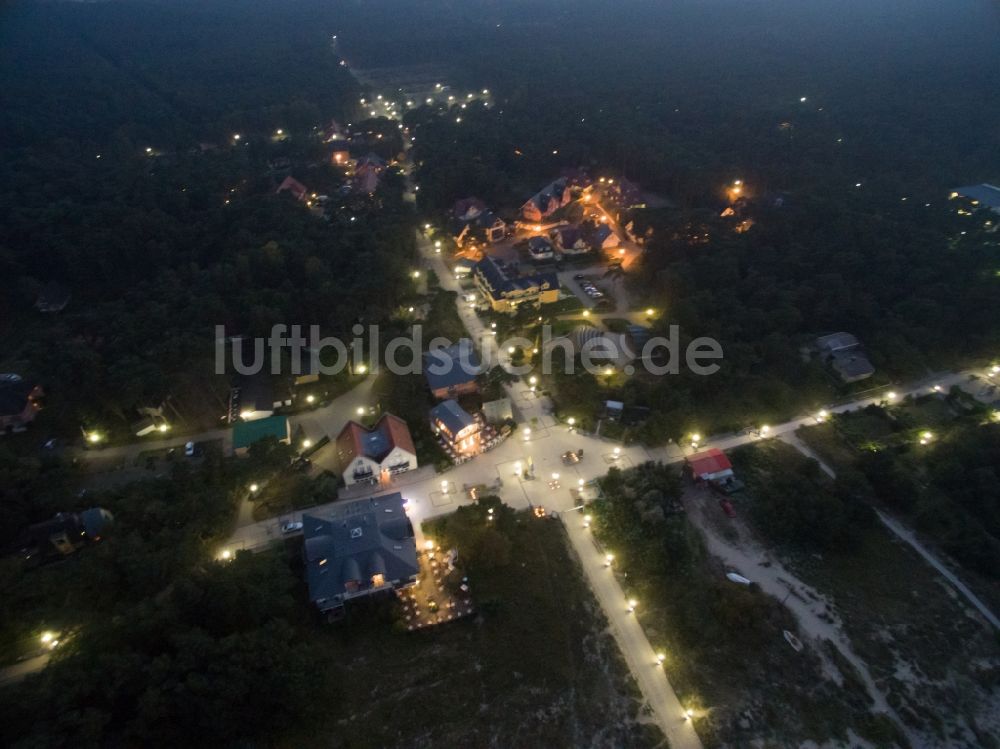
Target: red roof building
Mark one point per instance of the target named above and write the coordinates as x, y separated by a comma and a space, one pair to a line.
710, 465
292, 185
376, 454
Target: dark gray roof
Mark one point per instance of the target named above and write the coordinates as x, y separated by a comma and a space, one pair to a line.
852, 365
452, 415
987, 195
14, 393
500, 283
353, 541
455, 365
837, 342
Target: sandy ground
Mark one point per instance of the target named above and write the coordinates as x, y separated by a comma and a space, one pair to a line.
732, 542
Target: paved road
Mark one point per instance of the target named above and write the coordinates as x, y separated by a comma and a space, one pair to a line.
14, 673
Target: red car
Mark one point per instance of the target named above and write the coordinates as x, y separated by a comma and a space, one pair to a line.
727, 507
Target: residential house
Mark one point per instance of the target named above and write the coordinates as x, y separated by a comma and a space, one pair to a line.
710, 465
336, 131
367, 172
843, 353
507, 291
376, 454
247, 433
458, 429
570, 240
53, 298
472, 220
18, 403
547, 201
64, 534
340, 153
358, 548
979, 196
452, 371
540, 248
255, 397
292, 186
603, 237
468, 209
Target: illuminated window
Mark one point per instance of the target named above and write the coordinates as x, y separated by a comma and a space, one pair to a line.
378, 580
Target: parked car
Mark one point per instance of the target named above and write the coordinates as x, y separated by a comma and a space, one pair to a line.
292, 527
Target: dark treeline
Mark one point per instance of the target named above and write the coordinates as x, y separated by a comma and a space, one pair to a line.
159, 246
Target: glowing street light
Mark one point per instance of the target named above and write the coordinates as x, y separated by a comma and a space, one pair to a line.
571, 421
891, 396
94, 437
163, 428
532, 380
608, 559
310, 399
649, 312
617, 452
580, 483
586, 521
765, 430
254, 488
429, 545
306, 444
444, 487
416, 274
695, 439
632, 603
226, 555
361, 410
48, 638
926, 437
822, 415
660, 657
689, 713
527, 433
360, 369
517, 468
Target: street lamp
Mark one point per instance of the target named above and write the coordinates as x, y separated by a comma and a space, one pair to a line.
649, 312
608, 559
617, 452
306, 444
94, 438
310, 399
527, 433
444, 487
254, 488
532, 380
822, 415
891, 396
517, 468
632, 603
586, 521
660, 657
361, 410
926, 437
764, 430
226, 555
571, 421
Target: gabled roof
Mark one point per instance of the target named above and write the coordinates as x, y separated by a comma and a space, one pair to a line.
837, 342
293, 186
709, 463
389, 432
455, 365
356, 540
246, 433
453, 416
988, 195
500, 283
53, 298
15, 393
468, 209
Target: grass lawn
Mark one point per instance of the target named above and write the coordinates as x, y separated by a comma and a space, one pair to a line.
535, 667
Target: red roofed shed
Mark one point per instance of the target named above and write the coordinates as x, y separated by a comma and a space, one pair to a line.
710, 465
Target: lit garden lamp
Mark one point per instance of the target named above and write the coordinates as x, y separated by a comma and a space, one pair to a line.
822, 416
163, 428
891, 396
361, 410
571, 421
695, 439
226, 555
632, 603
765, 430
660, 657
306, 444
310, 399
649, 312
416, 274
360, 369
94, 437
254, 488
608, 559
